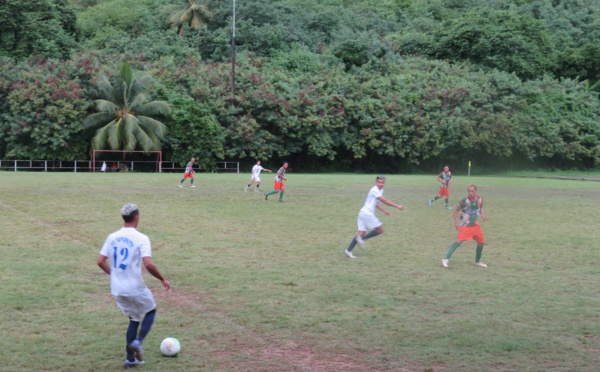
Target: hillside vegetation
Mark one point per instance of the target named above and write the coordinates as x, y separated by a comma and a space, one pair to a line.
387, 85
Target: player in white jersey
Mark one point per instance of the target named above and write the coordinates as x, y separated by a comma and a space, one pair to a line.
366, 217
121, 257
256, 176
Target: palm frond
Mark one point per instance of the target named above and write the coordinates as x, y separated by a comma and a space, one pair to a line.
140, 83
154, 126
113, 137
154, 108
95, 120
145, 141
138, 101
175, 17
125, 73
100, 140
128, 132
106, 106
105, 87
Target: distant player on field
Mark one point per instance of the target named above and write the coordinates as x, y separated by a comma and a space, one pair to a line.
366, 216
189, 173
445, 180
467, 226
256, 176
279, 186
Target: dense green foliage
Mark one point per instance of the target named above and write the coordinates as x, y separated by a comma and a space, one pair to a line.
395, 85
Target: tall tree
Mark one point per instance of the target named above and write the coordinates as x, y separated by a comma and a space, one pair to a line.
125, 118
46, 28
191, 12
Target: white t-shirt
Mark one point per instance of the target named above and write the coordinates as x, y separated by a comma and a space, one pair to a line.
125, 249
256, 170
371, 201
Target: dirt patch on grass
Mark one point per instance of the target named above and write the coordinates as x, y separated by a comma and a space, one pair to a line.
236, 347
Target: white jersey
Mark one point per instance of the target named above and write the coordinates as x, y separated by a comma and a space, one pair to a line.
371, 201
256, 171
125, 249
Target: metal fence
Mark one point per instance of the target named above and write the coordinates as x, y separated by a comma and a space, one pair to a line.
112, 166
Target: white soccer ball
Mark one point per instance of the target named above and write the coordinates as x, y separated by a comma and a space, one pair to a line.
170, 346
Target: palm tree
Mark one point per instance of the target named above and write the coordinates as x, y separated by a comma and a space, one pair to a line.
124, 120
191, 12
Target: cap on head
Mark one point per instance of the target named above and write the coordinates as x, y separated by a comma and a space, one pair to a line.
129, 210
380, 178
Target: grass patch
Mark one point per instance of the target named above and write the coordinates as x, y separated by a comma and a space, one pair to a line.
265, 286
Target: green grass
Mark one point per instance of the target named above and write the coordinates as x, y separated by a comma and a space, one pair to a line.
265, 286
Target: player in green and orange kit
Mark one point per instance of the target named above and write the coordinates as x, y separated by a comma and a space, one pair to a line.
445, 180
279, 186
189, 173
467, 226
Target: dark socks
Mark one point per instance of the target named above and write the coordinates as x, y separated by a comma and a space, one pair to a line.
130, 336
132, 331
478, 252
451, 250
146, 325
352, 244
371, 234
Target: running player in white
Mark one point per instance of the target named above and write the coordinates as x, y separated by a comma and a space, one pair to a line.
122, 256
366, 216
256, 176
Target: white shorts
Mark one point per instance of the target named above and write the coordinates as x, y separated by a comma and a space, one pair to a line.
252, 179
367, 221
137, 306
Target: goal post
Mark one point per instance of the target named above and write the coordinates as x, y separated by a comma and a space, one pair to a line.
158, 157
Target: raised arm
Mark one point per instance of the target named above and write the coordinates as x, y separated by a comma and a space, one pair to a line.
390, 203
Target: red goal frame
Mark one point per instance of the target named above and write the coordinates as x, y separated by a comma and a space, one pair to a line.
158, 163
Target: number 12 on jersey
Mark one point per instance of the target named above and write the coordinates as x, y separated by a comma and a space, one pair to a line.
120, 258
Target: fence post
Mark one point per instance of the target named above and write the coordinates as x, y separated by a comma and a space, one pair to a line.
75, 167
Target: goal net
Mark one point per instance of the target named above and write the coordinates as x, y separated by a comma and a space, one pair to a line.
121, 160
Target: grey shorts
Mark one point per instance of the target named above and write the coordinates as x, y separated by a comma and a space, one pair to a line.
136, 307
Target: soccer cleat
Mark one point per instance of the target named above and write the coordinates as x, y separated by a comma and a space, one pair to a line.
444, 262
179, 185
135, 363
266, 197
245, 188
281, 201
136, 347
429, 202
256, 190
360, 241
448, 207
480, 264
349, 254
192, 186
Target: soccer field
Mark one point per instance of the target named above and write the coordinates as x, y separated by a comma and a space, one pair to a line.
265, 286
